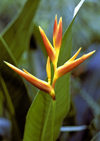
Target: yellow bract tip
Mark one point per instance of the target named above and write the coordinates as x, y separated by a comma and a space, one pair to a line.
60, 20
40, 28
8, 64
85, 56
27, 72
75, 55
56, 16
90, 53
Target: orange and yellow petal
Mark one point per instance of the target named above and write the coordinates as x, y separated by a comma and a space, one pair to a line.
57, 33
48, 70
55, 30
75, 55
70, 65
42, 85
58, 38
50, 50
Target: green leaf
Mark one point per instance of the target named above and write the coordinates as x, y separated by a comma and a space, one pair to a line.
38, 114
1, 102
15, 85
10, 109
44, 117
17, 34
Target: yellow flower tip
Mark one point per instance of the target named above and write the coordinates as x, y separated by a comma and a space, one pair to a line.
69, 66
89, 54
57, 33
60, 20
56, 17
41, 30
58, 38
75, 55
50, 50
8, 64
25, 71
12, 66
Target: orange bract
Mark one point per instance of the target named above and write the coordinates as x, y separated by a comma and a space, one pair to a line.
57, 33
71, 64
53, 54
32, 79
50, 50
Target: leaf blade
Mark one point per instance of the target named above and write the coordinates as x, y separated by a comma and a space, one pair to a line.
21, 29
15, 85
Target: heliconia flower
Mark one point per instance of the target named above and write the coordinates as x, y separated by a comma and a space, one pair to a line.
42, 85
49, 48
72, 63
53, 54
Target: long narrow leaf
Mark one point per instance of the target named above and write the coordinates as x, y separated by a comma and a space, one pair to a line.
9, 105
15, 85
17, 34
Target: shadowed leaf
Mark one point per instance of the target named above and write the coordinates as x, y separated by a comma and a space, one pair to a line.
14, 84
17, 34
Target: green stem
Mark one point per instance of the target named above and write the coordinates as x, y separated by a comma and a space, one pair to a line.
53, 117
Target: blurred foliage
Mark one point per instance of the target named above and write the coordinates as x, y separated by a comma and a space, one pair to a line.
21, 45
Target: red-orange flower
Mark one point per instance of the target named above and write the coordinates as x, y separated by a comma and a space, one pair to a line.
57, 33
42, 85
53, 54
49, 48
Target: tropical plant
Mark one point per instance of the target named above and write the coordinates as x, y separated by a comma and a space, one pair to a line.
45, 114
